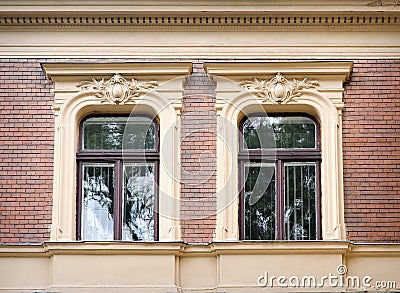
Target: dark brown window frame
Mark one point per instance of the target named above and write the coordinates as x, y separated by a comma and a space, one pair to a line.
279, 157
117, 157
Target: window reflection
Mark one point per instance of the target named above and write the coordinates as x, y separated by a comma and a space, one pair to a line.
259, 197
117, 198
138, 202
116, 133
98, 202
300, 201
280, 199
279, 132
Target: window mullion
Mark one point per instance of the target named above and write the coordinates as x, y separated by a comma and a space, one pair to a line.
118, 200
318, 199
242, 183
156, 201
79, 201
280, 201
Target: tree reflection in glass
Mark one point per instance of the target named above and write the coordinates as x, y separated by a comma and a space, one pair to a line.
285, 206
98, 202
259, 197
279, 132
300, 201
138, 215
116, 133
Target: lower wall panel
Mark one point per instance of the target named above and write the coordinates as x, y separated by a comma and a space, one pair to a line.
24, 273
113, 270
218, 267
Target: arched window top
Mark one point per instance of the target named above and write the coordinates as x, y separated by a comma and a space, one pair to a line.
119, 132
279, 131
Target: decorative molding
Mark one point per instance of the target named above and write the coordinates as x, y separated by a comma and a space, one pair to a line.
278, 90
199, 15
222, 20
117, 90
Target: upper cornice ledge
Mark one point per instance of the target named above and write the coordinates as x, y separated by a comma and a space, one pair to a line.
202, 13
203, 6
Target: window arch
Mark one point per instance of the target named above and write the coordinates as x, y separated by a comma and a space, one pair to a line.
118, 163
74, 101
322, 98
279, 163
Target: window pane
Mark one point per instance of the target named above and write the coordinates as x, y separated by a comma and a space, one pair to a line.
138, 215
115, 133
98, 202
259, 198
300, 209
279, 132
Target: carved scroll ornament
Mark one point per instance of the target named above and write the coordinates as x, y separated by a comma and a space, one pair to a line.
117, 90
278, 90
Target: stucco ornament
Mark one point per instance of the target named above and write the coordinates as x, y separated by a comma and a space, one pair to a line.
117, 90
278, 90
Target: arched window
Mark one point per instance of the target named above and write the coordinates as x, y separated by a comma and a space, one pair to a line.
279, 161
117, 179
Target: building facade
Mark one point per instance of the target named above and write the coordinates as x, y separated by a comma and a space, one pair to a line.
199, 147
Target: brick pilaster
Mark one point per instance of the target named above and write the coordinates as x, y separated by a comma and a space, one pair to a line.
198, 146
26, 152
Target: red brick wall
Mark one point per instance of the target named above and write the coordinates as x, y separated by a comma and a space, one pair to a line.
26, 152
371, 151
198, 146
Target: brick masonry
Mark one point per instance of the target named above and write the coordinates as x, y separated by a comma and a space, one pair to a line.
26, 152
198, 157
371, 151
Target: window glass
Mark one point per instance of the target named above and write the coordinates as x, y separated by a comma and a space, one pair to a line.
300, 201
259, 198
115, 133
138, 206
279, 132
280, 194
98, 202
118, 191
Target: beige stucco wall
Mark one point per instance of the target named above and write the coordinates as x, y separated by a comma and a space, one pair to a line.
316, 29
172, 266
176, 267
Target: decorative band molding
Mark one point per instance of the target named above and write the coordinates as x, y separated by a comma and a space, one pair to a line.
301, 20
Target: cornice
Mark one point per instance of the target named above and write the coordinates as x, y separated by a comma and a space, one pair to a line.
281, 82
256, 20
247, 69
62, 248
246, 29
199, 14
215, 248
60, 71
103, 6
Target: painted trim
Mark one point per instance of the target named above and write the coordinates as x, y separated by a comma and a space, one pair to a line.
325, 103
71, 106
